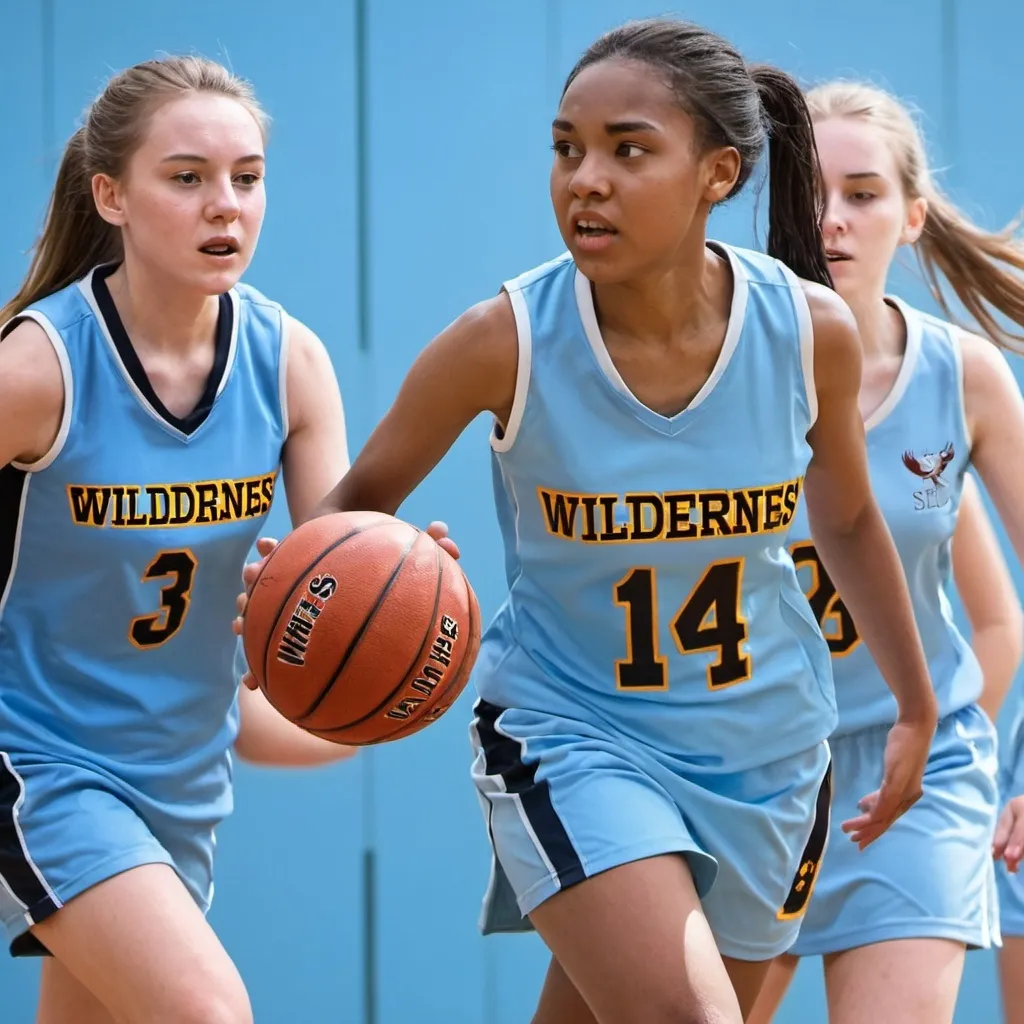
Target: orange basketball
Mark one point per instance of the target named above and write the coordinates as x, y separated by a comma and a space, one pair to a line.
361, 629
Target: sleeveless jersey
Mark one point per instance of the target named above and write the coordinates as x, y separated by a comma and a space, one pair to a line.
918, 451
649, 581
121, 551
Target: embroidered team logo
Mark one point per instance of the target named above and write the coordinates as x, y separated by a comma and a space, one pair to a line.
930, 466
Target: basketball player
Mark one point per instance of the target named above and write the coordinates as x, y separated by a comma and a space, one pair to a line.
147, 401
1009, 848
655, 693
893, 921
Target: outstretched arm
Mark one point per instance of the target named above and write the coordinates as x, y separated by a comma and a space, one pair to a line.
857, 550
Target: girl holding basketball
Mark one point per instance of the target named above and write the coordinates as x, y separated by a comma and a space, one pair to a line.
147, 402
655, 694
893, 921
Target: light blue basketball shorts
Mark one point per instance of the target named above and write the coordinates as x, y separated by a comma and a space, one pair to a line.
930, 875
565, 799
1011, 887
65, 828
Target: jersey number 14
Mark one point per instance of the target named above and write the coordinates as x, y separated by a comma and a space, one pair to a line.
708, 620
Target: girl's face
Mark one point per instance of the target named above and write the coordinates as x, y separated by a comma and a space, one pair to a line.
629, 184
190, 204
867, 215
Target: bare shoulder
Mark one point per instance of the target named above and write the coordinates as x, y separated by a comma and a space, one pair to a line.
31, 393
477, 356
312, 384
307, 354
833, 322
486, 330
837, 350
27, 351
985, 365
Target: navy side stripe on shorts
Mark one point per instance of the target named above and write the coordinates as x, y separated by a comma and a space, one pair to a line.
17, 872
503, 757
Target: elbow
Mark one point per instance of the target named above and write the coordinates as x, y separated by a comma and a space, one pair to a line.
1014, 630
249, 751
1005, 634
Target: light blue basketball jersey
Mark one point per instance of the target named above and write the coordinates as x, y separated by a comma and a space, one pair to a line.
121, 552
918, 452
646, 555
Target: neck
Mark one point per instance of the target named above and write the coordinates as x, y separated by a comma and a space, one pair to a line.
881, 328
666, 303
159, 314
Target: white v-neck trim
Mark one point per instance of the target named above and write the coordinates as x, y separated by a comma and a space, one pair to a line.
906, 370
85, 286
737, 310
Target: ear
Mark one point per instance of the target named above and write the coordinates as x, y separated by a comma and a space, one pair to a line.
721, 167
109, 199
917, 212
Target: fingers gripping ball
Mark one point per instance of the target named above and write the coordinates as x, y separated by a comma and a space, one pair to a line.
361, 629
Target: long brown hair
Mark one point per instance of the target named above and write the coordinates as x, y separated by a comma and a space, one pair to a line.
75, 237
982, 267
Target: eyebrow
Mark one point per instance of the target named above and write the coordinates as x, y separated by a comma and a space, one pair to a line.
612, 128
864, 174
194, 158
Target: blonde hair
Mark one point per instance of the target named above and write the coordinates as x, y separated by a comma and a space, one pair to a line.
979, 265
75, 237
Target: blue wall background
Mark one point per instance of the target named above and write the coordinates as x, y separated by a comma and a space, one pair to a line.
459, 95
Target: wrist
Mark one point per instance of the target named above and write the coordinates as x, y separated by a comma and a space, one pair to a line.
919, 708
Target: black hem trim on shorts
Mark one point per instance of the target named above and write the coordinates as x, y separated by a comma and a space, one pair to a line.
27, 944
17, 872
503, 757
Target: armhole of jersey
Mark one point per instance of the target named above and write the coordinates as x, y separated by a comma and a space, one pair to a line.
524, 333
60, 349
958, 360
282, 372
806, 328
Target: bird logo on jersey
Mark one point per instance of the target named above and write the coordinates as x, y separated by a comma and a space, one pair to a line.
931, 465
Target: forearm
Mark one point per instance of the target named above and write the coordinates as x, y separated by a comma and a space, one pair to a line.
293, 748
267, 738
862, 562
998, 649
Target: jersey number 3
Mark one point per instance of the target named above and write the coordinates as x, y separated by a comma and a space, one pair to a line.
709, 620
148, 631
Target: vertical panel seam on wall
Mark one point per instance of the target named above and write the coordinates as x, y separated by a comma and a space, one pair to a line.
364, 300
554, 44
950, 63
363, 293
47, 90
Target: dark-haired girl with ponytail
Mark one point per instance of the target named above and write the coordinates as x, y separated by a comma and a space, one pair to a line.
655, 694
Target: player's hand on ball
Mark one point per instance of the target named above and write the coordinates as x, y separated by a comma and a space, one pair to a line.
906, 756
265, 547
1008, 844
439, 531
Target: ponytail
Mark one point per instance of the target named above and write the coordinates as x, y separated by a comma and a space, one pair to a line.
74, 238
982, 267
795, 201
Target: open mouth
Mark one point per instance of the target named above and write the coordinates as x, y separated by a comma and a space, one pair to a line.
219, 249
593, 229
836, 256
